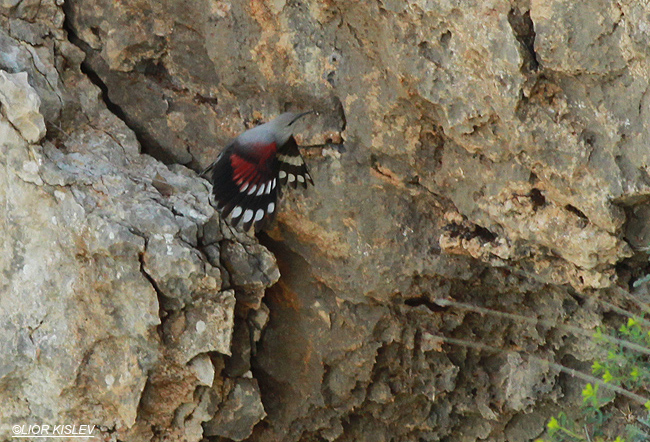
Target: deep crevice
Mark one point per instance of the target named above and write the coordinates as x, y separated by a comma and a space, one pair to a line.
162, 313
147, 143
341, 111
583, 218
524, 30
85, 68
468, 233
537, 198
148, 277
424, 301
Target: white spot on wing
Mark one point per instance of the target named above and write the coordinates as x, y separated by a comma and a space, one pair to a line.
261, 191
252, 189
244, 187
273, 183
269, 187
248, 215
292, 178
301, 179
282, 174
271, 208
236, 213
259, 214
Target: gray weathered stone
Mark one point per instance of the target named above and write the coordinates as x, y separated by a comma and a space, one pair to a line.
237, 415
203, 368
94, 236
20, 105
204, 327
492, 154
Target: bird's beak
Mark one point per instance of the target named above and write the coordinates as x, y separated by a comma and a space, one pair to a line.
299, 116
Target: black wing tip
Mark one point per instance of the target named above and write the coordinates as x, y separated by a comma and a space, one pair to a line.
251, 211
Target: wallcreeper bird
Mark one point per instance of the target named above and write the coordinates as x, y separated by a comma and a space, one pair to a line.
248, 175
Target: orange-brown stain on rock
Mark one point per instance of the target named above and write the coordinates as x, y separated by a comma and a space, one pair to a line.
273, 52
281, 294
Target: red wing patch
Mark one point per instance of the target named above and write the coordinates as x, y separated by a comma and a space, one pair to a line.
246, 186
243, 171
246, 181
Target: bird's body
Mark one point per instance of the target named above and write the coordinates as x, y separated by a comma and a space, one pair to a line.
248, 175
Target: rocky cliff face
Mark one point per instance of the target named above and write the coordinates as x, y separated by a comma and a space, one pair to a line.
492, 154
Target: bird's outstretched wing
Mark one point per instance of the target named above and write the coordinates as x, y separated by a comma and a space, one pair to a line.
246, 186
293, 169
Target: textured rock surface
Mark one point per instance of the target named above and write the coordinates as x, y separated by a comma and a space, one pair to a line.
110, 303
493, 153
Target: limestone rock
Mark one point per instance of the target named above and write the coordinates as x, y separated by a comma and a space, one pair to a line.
39, 63
477, 158
20, 105
178, 271
491, 147
204, 327
237, 415
101, 245
251, 268
203, 368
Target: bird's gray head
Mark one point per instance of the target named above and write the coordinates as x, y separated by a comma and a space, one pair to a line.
278, 130
283, 125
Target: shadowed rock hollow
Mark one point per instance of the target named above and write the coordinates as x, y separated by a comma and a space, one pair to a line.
491, 153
